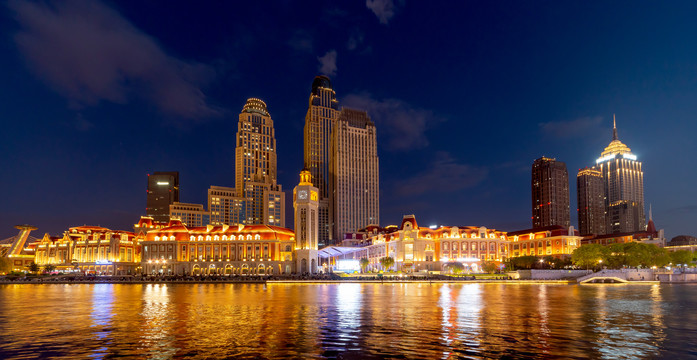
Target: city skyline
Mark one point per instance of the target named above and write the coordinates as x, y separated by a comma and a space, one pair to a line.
79, 150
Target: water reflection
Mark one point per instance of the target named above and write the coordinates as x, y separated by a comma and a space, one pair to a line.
347, 321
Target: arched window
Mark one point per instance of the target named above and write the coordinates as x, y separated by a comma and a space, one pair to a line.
224, 237
257, 237
192, 238
232, 237
157, 238
171, 238
249, 237
445, 246
464, 246
216, 238
208, 238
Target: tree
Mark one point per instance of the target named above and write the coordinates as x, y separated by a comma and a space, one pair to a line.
589, 256
387, 262
681, 257
33, 267
363, 262
522, 262
49, 268
5, 265
489, 267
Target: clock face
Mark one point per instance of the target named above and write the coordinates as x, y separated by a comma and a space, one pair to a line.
302, 194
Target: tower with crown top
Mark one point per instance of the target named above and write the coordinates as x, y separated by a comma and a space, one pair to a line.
306, 204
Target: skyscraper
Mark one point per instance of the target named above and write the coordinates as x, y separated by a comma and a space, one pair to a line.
550, 193
354, 174
163, 190
255, 166
623, 185
321, 115
591, 202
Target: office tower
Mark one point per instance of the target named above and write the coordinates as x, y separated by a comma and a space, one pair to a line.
191, 215
354, 180
163, 190
255, 166
623, 185
321, 115
550, 193
306, 207
225, 207
591, 202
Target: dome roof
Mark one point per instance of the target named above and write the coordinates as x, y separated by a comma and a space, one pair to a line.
616, 147
255, 105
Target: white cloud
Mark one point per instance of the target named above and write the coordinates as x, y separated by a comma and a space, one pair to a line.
383, 9
402, 124
88, 53
445, 175
355, 40
327, 63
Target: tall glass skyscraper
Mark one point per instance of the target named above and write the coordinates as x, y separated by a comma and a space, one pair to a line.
163, 191
591, 202
623, 181
322, 113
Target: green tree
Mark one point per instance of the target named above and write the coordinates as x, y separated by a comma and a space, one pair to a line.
589, 256
33, 267
489, 267
681, 257
387, 262
522, 262
49, 268
363, 262
5, 265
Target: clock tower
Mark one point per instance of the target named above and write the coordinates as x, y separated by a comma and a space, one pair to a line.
306, 203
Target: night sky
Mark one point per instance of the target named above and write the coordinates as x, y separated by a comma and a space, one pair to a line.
465, 95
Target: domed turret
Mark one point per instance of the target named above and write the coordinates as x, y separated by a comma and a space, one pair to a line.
320, 82
255, 105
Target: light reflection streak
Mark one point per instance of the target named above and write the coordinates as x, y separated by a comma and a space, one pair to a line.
101, 315
155, 333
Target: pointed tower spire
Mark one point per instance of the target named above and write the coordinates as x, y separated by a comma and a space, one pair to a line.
614, 128
650, 214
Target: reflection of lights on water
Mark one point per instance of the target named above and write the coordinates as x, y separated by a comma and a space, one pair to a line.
348, 297
102, 313
156, 335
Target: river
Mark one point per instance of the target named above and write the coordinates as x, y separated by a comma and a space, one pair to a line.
350, 320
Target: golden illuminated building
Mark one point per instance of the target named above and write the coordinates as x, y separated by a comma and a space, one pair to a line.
218, 249
91, 249
556, 241
189, 214
20, 249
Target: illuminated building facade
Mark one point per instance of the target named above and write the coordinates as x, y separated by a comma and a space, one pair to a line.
420, 249
218, 249
555, 240
243, 249
20, 249
91, 249
550, 193
591, 202
322, 112
163, 190
306, 207
189, 214
225, 207
354, 173
623, 181
255, 166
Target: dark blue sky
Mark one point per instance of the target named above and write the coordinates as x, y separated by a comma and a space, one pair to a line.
465, 95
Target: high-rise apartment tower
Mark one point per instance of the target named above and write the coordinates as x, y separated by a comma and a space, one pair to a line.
550, 193
163, 191
354, 174
591, 202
